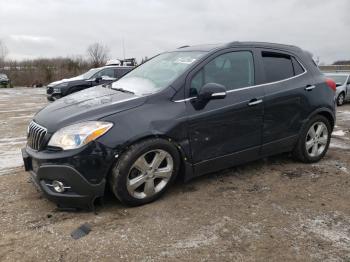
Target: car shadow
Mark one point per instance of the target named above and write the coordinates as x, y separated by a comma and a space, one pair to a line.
240, 172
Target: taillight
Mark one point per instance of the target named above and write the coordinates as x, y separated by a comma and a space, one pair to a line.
331, 84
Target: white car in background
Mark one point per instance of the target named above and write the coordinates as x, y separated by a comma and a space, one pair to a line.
343, 86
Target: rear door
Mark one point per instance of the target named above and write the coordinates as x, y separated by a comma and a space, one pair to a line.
226, 131
287, 88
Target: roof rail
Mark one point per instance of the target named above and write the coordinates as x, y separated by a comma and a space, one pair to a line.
233, 43
183, 46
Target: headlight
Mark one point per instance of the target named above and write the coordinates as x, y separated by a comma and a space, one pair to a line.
57, 90
77, 135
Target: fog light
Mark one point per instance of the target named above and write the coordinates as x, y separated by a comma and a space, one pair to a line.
58, 186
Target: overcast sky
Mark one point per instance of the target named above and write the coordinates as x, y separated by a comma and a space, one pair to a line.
50, 28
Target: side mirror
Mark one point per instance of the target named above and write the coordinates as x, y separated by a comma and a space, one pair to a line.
98, 79
212, 91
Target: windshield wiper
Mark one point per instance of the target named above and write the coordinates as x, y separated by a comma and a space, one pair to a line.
123, 90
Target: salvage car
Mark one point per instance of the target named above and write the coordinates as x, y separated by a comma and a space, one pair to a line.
4, 81
342, 81
188, 112
95, 76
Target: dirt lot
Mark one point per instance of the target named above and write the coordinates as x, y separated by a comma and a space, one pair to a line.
270, 210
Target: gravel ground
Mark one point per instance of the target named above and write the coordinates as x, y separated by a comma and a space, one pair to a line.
270, 210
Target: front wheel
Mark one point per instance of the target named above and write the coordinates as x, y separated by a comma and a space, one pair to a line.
341, 99
145, 171
314, 140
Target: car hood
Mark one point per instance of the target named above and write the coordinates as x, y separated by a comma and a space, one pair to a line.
90, 104
77, 78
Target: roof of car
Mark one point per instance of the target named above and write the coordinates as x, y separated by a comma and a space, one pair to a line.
211, 47
114, 66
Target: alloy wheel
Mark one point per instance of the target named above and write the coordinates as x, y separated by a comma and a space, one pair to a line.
316, 139
150, 173
341, 99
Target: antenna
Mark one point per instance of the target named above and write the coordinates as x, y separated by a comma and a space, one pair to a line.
123, 48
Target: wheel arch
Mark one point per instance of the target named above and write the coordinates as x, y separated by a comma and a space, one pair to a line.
326, 112
186, 168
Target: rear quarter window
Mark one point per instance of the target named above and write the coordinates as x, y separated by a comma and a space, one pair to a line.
277, 66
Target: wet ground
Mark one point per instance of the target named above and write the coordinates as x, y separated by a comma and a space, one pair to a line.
270, 210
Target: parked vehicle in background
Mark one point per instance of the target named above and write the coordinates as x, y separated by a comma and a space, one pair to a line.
196, 109
342, 81
95, 76
5, 82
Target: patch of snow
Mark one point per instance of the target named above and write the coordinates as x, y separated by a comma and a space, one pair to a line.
338, 133
10, 153
343, 115
338, 144
10, 159
12, 139
332, 229
24, 116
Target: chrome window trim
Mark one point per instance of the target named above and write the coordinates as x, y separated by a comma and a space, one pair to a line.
254, 86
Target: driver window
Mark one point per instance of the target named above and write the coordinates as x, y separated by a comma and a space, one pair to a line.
232, 70
105, 72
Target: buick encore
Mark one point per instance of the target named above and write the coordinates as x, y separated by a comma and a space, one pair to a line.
93, 77
188, 112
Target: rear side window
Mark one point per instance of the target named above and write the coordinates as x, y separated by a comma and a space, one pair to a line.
277, 66
232, 70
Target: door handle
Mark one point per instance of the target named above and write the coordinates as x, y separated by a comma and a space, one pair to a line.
309, 88
254, 102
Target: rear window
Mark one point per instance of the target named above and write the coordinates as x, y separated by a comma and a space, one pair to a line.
280, 66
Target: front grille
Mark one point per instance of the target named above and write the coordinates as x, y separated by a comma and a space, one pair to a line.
36, 135
49, 90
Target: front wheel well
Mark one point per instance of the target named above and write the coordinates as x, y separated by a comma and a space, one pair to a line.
181, 152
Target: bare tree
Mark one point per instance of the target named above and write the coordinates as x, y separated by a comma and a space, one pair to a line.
98, 54
3, 53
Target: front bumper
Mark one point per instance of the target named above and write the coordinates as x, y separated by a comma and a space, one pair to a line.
80, 191
4, 83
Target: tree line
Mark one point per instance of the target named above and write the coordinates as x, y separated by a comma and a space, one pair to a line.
41, 71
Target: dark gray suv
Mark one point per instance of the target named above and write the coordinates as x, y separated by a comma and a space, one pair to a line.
94, 77
189, 111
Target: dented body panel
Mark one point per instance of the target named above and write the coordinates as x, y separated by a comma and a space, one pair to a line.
249, 123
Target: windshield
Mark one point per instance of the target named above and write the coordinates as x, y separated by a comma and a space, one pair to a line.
157, 73
88, 74
338, 79
3, 76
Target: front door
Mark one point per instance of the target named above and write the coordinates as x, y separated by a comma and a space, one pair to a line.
226, 131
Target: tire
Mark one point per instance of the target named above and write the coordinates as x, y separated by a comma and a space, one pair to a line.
128, 168
341, 99
303, 151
